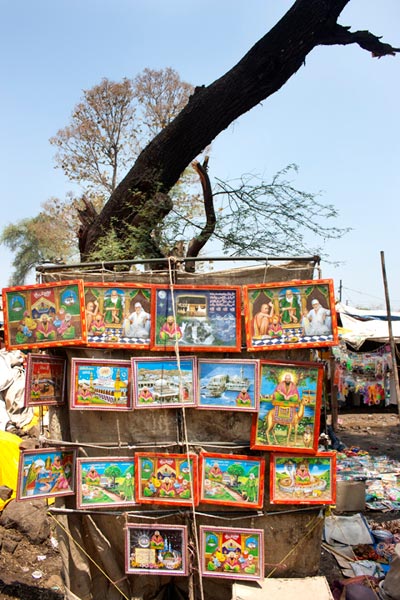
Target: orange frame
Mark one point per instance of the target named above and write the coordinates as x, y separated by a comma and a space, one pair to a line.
162, 478
44, 315
283, 316
197, 318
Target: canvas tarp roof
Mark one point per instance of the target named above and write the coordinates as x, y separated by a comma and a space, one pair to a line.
360, 325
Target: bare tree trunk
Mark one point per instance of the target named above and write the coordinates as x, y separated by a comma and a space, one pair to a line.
141, 199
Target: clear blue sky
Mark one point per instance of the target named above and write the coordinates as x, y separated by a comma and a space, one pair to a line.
337, 118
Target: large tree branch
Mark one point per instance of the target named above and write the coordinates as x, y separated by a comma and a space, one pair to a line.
259, 74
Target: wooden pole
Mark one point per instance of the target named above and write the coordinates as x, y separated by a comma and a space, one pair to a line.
391, 338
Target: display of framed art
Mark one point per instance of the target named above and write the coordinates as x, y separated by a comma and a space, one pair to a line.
196, 318
294, 314
105, 482
156, 549
228, 384
164, 382
290, 406
232, 480
303, 479
46, 473
118, 315
231, 552
44, 380
100, 384
166, 478
44, 315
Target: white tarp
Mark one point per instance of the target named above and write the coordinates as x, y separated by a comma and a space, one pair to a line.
361, 325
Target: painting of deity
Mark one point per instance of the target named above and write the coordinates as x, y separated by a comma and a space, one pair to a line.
44, 380
228, 384
290, 406
100, 384
118, 315
303, 479
232, 480
46, 473
44, 315
166, 478
296, 314
105, 482
164, 382
232, 552
196, 318
156, 549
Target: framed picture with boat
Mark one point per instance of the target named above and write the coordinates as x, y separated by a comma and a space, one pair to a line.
100, 384
118, 315
164, 382
290, 406
196, 318
227, 384
46, 473
156, 549
105, 482
44, 315
296, 479
44, 380
290, 315
233, 553
166, 478
232, 480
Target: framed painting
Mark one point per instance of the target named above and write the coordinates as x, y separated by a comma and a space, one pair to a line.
118, 315
44, 380
290, 315
303, 479
228, 384
156, 549
290, 406
163, 382
44, 315
166, 478
100, 384
105, 482
196, 318
46, 473
231, 552
232, 480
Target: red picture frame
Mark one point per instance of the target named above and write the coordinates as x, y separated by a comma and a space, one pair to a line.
45, 378
290, 315
306, 479
44, 315
196, 318
232, 480
290, 407
162, 478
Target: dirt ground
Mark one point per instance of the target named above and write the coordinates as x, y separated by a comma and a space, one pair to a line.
21, 561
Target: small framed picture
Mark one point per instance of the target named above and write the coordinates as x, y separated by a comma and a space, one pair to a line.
166, 478
100, 384
232, 480
105, 482
196, 318
290, 407
290, 315
303, 479
46, 473
118, 315
44, 315
228, 384
232, 552
164, 382
156, 549
44, 380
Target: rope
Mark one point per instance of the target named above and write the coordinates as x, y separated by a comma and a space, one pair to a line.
177, 354
88, 556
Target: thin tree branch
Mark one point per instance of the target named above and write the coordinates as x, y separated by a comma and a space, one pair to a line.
365, 39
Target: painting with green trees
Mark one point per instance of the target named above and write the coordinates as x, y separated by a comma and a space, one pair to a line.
105, 482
